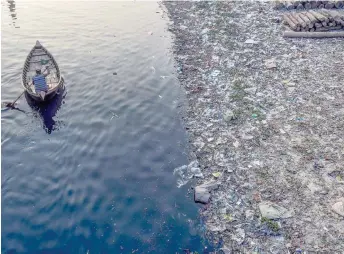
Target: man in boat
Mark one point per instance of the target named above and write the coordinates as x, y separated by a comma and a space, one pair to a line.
40, 83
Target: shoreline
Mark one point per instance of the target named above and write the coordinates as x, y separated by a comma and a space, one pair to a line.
266, 123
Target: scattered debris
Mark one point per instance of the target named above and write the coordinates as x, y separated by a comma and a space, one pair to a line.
251, 41
187, 172
276, 134
270, 210
216, 174
338, 207
270, 63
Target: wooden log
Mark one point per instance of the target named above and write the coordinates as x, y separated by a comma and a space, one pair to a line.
279, 5
293, 19
321, 6
325, 24
337, 13
319, 16
289, 5
333, 23
338, 4
312, 29
337, 16
299, 19
322, 29
311, 17
326, 14
329, 5
300, 6
315, 4
291, 34
308, 6
309, 23
291, 23
317, 25
339, 21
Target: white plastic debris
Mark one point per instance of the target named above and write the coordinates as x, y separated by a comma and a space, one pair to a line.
251, 41
187, 172
273, 211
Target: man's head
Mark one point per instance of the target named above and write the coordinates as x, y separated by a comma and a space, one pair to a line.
38, 71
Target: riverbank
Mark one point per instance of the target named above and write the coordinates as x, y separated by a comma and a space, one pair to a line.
265, 120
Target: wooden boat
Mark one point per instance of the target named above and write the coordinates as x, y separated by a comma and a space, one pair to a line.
40, 58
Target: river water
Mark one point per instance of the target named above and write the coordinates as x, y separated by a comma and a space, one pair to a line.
93, 171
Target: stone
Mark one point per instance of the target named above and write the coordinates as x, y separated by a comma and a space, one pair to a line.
273, 211
338, 207
202, 195
202, 192
270, 63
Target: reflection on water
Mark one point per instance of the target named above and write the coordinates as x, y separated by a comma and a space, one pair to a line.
46, 111
13, 14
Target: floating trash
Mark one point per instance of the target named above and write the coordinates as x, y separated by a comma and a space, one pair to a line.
186, 172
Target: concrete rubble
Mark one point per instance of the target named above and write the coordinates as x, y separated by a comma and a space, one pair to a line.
267, 114
202, 192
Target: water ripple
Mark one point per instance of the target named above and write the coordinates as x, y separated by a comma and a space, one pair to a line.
92, 172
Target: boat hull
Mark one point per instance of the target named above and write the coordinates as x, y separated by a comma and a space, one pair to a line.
41, 59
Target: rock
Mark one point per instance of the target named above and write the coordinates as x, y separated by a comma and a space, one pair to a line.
202, 195
202, 192
273, 211
270, 63
339, 207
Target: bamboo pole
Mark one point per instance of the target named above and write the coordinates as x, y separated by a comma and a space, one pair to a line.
292, 34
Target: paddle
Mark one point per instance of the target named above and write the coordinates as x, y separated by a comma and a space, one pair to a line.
11, 104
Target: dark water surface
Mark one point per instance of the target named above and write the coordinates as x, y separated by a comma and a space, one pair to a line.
93, 171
